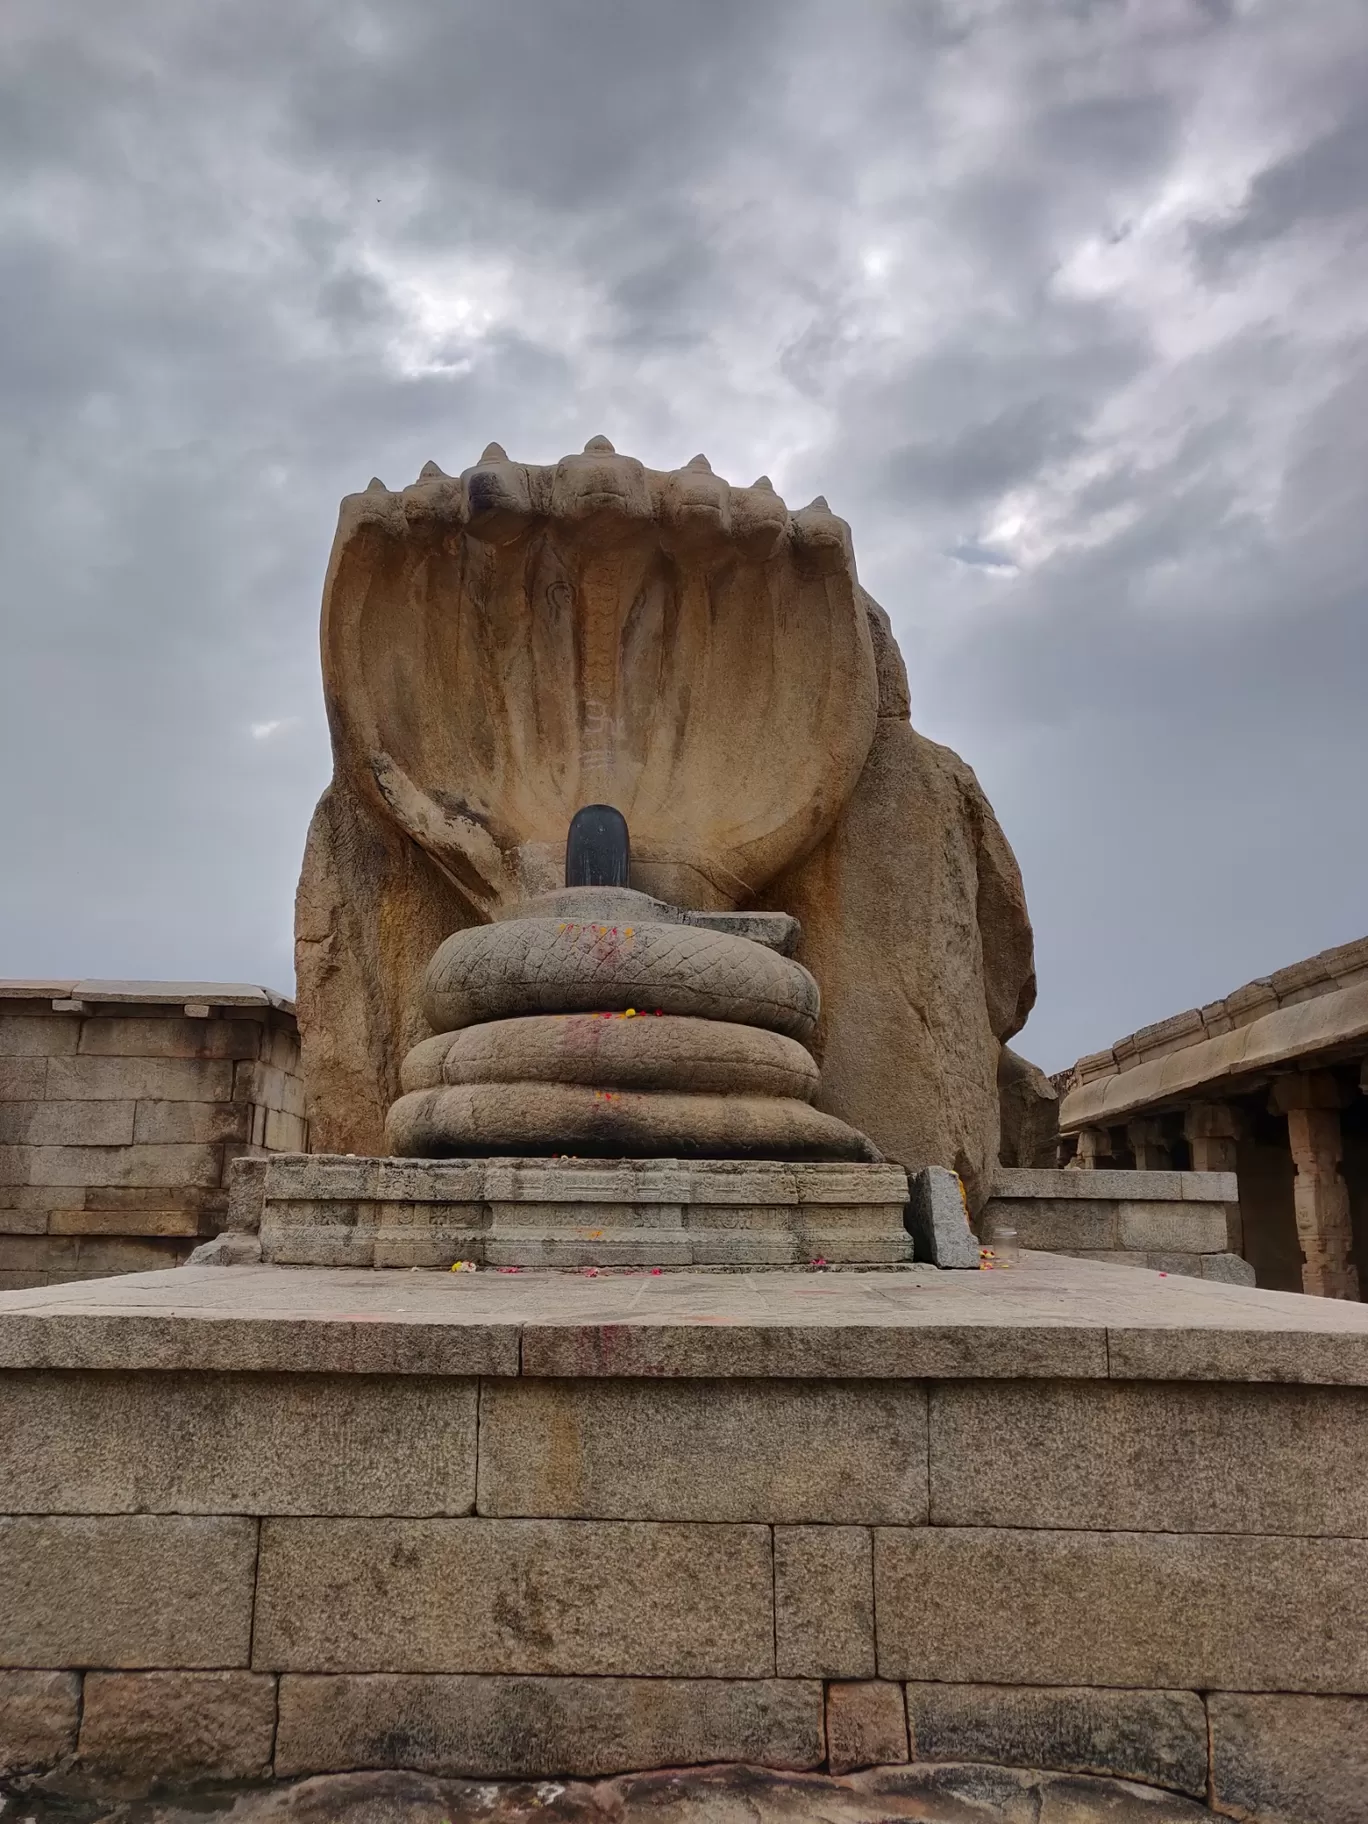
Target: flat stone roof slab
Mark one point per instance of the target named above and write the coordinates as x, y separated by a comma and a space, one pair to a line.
1049, 1316
1325, 1028
147, 994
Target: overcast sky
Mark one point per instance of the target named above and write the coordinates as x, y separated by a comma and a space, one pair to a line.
1064, 306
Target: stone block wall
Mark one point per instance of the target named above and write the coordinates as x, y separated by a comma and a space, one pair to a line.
265, 1575
1174, 1222
122, 1106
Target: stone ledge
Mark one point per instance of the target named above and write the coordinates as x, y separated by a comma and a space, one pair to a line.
316, 1210
1048, 1317
147, 994
1220, 1268
1296, 1033
319, 1177
1014, 1182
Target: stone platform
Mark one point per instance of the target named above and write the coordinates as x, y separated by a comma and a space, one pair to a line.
312, 1210
1175, 1222
263, 1523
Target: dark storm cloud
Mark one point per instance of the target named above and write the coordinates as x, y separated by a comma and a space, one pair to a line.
1059, 304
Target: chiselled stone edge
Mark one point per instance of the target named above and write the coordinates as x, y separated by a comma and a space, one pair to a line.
365, 1344
331, 1178
1025, 1182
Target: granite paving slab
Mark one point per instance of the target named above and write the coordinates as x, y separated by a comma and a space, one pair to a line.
1047, 1316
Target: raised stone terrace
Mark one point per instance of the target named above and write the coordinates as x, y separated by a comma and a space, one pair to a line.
1065, 1518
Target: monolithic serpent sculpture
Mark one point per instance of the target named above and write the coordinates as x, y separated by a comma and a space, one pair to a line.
502, 649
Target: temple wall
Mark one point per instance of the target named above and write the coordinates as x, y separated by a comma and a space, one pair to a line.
122, 1107
532, 1571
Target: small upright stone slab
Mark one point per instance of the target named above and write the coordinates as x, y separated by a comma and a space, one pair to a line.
939, 1221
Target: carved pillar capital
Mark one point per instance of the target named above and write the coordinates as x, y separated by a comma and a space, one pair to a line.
1305, 1089
1094, 1143
1213, 1130
1147, 1142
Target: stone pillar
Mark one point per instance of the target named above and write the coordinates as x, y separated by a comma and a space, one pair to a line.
1311, 1103
1093, 1143
1147, 1142
1213, 1130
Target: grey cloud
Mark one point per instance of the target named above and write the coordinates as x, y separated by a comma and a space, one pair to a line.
946, 264
1320, 182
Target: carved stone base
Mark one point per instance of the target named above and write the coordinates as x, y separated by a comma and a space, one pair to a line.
355, 1212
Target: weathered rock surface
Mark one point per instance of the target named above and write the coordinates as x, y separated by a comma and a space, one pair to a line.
711, 1795
866, 1724
142, 1728
1303, 1760
39, 1712
1028, 1104
914, 922
371, 908
544, 965
231, 1249
613, 1051
549, 1118
502, 649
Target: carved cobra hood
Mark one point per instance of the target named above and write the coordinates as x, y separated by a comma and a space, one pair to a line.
502, 648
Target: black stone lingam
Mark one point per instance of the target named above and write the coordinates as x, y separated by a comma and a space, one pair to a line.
598, 852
